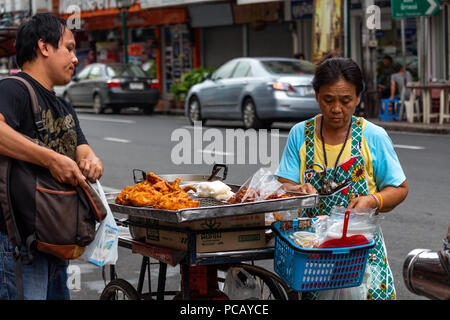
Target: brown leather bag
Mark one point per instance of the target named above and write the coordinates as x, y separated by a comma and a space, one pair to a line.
51, 217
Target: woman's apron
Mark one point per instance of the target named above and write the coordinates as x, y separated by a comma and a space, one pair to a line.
351, 178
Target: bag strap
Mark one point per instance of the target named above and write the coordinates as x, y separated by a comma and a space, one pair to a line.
34, 105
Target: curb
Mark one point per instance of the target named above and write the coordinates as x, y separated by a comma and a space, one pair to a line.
413, 127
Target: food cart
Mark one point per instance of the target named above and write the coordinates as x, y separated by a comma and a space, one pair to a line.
200, 260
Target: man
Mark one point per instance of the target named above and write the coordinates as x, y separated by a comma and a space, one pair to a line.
399, 79
384, 77
45, 51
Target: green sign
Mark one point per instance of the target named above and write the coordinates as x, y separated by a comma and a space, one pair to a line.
414, 8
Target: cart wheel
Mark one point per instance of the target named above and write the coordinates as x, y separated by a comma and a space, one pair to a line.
273, 288
119, 289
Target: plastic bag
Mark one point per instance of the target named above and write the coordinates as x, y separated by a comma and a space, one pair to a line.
352, 293
260, 186
103, 250
240, 285
361, 221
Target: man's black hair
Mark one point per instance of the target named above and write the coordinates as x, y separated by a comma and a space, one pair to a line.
388, 57
43, 26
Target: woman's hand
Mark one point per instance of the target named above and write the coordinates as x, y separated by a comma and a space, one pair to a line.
289, 185
304, 188
363, 202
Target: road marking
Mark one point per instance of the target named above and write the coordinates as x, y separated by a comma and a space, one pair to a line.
105, 119
216, 152
404, 146
112, 139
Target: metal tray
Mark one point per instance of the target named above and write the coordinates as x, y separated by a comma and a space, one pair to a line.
209, 207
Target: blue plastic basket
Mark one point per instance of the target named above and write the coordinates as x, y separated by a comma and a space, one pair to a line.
317, 269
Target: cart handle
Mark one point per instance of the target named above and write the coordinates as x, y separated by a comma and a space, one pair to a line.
216, 170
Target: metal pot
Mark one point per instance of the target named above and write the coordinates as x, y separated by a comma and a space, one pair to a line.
427, 273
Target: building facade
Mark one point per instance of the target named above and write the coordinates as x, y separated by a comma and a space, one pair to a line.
180, 35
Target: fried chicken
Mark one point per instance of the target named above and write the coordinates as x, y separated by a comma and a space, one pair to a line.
176, 200
157, 193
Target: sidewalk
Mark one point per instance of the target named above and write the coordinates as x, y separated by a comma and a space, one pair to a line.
419, 127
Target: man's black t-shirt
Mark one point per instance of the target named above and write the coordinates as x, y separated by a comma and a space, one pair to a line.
62, 129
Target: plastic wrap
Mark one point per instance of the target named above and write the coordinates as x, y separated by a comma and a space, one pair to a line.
362, 222
263, 185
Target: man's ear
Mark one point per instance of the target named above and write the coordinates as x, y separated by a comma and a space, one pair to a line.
43, 47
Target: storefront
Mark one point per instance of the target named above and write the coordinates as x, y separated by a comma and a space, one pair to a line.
245, 28
158, 39
434, 31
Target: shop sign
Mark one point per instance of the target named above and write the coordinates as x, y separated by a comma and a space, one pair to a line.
414, 8
302, 9
265, 12
86, 5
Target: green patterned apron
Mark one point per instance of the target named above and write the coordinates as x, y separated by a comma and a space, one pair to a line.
351, 179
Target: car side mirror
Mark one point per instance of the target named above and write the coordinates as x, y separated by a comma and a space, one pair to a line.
208, 76
75, 79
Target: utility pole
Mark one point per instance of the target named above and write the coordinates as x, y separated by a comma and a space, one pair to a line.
369, 43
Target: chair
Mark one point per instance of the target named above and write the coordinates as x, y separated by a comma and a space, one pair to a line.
389, 109
412, 107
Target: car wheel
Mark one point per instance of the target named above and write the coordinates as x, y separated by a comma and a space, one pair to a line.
98, 104
249, 116
194, 112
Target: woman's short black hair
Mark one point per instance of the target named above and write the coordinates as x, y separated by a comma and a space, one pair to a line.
333, 69
43, 26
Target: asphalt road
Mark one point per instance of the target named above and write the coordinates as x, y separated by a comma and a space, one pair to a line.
160, 143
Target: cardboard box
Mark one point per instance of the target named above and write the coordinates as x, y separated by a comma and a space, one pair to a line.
216, 240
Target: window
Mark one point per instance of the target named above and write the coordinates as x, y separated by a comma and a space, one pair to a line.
242, 70
95, 73
118, 70
224, 71
287, 67
84, 73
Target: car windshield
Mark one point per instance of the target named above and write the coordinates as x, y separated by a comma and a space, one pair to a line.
125, 71
289, 67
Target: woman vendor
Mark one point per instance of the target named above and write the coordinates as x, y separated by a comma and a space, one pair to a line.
347, 158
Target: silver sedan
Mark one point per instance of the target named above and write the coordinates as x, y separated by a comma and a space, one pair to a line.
258, 91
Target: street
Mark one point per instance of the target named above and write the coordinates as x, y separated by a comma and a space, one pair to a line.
135, 141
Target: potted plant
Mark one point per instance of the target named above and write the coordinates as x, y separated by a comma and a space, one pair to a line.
180, 89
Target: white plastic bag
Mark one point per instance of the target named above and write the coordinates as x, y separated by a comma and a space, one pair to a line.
103, 250
352, 293
240, 285
362, 222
